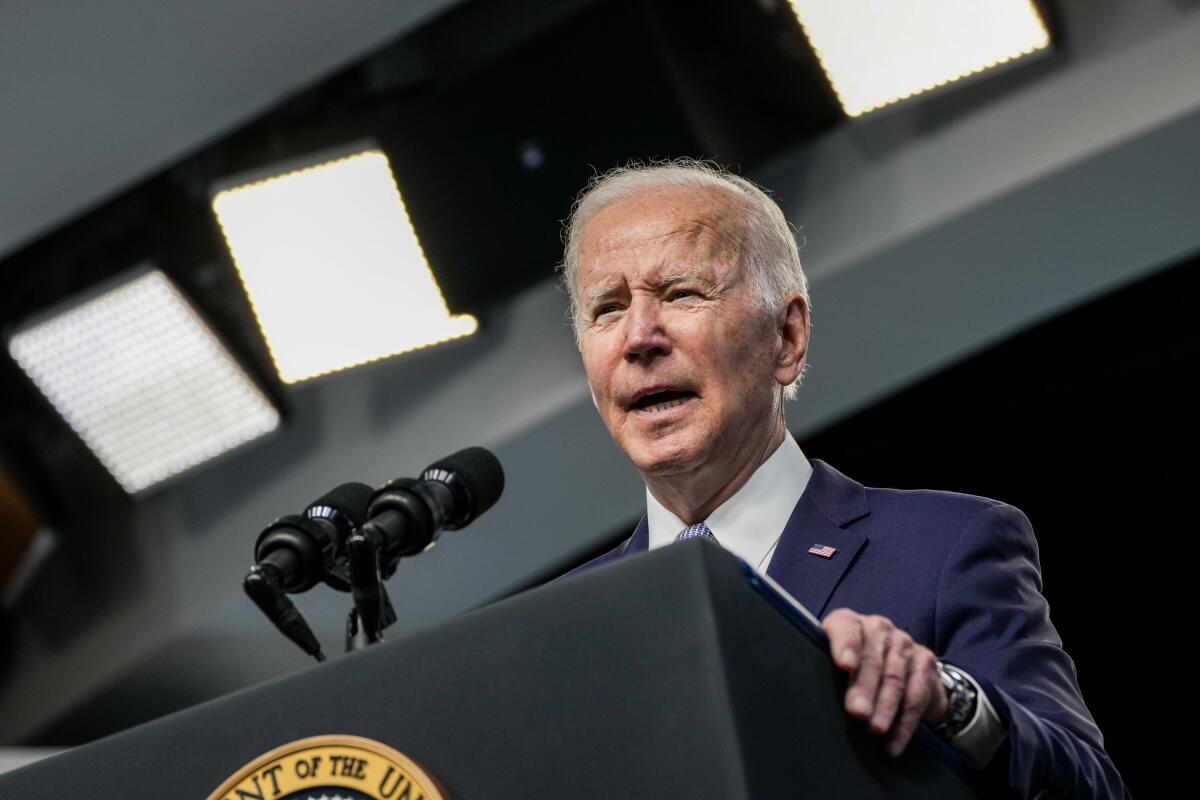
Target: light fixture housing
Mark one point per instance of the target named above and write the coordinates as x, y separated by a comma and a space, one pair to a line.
143, 381
332, 266
878, 52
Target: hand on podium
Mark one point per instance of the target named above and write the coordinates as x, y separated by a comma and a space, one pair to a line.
894, 682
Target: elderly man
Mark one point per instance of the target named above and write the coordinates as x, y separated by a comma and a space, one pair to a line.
692, 315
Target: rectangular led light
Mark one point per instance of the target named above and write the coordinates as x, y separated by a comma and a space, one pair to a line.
143, 381
876, 52
333, 267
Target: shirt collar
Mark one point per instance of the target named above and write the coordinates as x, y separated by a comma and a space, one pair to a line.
750, 522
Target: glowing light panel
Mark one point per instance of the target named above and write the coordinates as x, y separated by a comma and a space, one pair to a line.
876, 52
143, 381
333, 267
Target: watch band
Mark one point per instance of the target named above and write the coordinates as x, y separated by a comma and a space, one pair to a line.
963, 701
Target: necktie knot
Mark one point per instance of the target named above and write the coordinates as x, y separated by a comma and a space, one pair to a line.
699, 530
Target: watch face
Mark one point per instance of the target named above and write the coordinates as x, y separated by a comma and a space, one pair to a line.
961, 695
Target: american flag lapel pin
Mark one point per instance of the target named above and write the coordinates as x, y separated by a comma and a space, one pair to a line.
822, 550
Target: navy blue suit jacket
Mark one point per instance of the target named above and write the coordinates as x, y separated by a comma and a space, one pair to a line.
961, 575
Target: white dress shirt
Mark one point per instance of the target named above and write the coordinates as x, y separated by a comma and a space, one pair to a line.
750, 524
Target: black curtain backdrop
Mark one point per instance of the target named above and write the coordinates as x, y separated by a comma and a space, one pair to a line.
1087, 423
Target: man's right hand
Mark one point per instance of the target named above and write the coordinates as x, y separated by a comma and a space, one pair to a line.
893, 680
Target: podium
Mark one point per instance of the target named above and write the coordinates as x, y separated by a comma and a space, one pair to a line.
675, 673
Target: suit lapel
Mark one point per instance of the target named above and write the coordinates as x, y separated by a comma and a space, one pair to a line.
640, 540
830, 503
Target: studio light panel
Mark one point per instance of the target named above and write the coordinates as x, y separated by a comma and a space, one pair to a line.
877, 52
143, 381
332, 266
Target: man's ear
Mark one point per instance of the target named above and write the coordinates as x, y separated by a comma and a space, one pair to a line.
792, 340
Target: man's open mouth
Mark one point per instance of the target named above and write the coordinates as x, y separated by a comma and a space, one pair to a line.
661, 401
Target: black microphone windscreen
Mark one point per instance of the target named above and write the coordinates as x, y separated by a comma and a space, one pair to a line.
479, 472
350, 500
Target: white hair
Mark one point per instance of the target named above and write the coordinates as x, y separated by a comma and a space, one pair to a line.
768, 252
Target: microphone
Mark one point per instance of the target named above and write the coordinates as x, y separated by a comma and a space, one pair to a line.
406, 516
306, 549
295, 552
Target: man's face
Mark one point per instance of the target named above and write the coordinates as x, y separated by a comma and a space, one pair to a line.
678, 353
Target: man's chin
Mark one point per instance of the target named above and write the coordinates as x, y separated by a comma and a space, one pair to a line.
661, 462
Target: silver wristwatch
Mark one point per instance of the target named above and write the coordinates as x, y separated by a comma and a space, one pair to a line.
963, 699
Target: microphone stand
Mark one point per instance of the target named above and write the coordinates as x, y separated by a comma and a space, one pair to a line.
373, 609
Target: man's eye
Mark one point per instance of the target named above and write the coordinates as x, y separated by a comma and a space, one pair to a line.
607, 308
679, 294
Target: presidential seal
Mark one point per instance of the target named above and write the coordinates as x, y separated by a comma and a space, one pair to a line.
330, 768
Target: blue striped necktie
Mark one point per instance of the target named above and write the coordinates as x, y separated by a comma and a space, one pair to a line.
697, 531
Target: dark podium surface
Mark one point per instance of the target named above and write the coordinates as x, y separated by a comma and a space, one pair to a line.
668, 674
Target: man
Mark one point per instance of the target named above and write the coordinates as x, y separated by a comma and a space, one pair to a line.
691, 312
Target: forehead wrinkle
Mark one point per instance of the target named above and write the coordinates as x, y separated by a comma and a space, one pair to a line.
716, 230
659, 275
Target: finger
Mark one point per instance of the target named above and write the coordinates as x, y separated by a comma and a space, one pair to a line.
893, 684
845, 637
923, 690
864, 687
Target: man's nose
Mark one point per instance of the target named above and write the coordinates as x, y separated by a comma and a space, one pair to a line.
646, 334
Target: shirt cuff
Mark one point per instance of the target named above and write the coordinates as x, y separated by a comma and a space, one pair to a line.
984, 734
